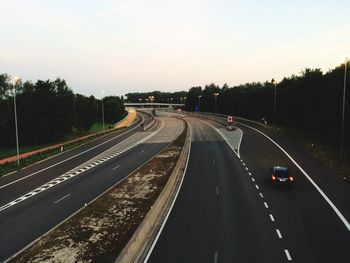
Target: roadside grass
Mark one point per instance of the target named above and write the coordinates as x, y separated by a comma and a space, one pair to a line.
324, 152
11, 167
98, 126
11, 151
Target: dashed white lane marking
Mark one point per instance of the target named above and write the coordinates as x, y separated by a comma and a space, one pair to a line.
250, 173
116, 167
241, 160
265, 204
243, 164
142, 151
76, 171
246, 168
216, 257
217, 190
261, 195
325, 197
278, 233
59, 200
288, 255
25, 177
272, 218
256, 186
253, 179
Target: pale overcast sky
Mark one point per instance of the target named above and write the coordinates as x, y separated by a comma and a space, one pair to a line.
123, 46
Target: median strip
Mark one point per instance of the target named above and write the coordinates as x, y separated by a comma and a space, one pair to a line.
99, 232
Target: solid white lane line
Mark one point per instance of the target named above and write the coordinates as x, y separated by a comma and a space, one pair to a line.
272, 218
74, 172
173, 202
216, 257
253, 179
288, 255
59, 200
225, 138
239, 143
250, 173
325, 197
116, 167
261, 195
256, 186
278, 233
25, 177
265, 204
217, 190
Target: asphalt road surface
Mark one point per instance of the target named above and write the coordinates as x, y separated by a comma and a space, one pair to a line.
22, 223
227, 210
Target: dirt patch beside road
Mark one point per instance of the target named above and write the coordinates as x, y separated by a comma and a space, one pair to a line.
99, 232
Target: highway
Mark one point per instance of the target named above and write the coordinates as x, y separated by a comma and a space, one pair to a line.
25, 221
227, 211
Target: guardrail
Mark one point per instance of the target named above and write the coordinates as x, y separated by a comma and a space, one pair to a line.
151, 123
211, 115
137, 248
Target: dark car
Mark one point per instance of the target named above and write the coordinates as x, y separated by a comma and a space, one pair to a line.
281, 175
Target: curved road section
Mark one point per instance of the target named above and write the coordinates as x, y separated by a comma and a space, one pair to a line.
30, 218
227, 210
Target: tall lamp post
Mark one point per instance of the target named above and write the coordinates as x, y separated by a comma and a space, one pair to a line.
103, 112
14, 82
343, 113
274, 101
199, 102
216, 102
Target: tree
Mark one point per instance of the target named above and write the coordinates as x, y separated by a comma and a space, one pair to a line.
85, 112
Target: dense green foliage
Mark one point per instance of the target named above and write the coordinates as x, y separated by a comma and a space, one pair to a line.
310, 102
48, 110
160, 97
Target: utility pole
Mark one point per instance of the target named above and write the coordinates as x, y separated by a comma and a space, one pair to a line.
216, 102
343, 113
274, 102
14, 79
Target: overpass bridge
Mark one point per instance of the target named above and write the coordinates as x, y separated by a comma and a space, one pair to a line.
154, 105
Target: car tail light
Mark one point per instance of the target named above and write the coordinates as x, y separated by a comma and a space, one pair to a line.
291, 178
273, 178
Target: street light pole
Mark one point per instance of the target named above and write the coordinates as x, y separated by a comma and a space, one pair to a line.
274, 102
15, 108
343, 113
199, 102
103, 114
216, 103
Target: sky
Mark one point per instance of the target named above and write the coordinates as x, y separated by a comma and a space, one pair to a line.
121, 46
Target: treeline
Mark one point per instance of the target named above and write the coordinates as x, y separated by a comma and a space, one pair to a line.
310, 102
49, 110
157, 96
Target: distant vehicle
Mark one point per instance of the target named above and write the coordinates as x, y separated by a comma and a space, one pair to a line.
281, 175
230, 123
